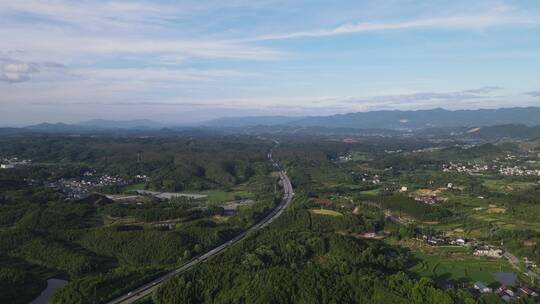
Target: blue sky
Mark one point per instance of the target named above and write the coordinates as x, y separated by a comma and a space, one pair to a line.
187, 61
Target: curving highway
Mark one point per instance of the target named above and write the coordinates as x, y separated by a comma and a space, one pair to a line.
286, 199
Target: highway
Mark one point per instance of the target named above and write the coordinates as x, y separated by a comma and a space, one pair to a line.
286, 199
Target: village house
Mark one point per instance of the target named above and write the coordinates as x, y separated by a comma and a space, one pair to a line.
230, 210
428, 196
488, 251
458, 242
482, 287
529, 264
527, 291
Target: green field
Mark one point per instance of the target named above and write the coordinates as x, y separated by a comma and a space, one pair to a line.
325, 212
360, 156
460, 269
217, 196
501, 185
134, 187
373, 192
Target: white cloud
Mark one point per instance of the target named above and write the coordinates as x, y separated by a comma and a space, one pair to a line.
533, 93
60, 44
159, 75
436, 99
12, 71
460, 22
89, 15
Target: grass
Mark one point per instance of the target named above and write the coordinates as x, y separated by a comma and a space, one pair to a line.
325, 212
501, 185
219, 196
360, 156
134, 187
442, 268
373, 192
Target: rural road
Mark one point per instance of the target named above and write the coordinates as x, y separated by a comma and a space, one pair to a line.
148, 288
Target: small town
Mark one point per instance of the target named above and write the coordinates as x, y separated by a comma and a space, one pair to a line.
10, 163
476, 169
510, 289
77, 188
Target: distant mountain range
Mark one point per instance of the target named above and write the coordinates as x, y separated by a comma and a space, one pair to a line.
125, 124
395, 119
480, 124
97, 125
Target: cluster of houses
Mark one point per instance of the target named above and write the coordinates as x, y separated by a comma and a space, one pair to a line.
469, 168
428, 196
79, 188
445, 241
518, 171
142, 177
10, 163
488, 251
479, 250
504, 170
367, 178
344, 158
507, 294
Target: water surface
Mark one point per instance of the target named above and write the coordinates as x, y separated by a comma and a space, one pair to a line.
52, 286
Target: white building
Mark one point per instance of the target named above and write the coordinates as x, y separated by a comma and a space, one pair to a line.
482, 287
488, 252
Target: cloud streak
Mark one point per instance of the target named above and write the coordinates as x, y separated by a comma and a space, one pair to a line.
465, 22
431, 98
13, 71
533, 93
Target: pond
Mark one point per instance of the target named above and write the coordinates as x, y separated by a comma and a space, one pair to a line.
52, 286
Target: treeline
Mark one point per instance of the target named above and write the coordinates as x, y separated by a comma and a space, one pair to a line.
404, 205
172, 163
299, 261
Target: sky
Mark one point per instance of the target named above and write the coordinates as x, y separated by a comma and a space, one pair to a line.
189, 61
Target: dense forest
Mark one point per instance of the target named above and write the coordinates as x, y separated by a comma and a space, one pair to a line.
103, 247
345, 238
304, 259
172, 163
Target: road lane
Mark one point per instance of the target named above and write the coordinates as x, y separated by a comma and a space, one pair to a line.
148, 288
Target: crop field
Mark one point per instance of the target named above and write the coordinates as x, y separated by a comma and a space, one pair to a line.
217, 196
502, 185
134, 187
373, 192
459, 269
361, 156
325, 212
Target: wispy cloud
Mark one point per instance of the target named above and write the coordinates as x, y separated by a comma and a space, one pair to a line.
443, 99
61, 44
160, 74
131, 104
533, 93
89, 15
483, 90
461, 22
13, 71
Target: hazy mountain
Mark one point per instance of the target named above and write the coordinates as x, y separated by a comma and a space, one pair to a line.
123, 124
251, 121
54, 128
502, 131
397, 119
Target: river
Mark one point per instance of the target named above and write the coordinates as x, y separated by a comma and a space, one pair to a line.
52, 286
